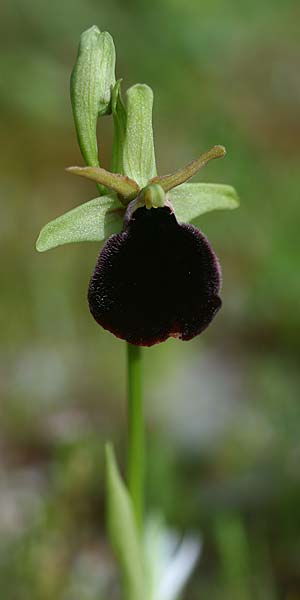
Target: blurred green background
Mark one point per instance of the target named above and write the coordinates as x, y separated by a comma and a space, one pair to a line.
223, 413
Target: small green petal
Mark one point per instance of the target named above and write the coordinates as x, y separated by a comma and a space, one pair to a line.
119, 183
168, 182
92, 80
120, 120
139, 156
191, 200
93, 221
123, 530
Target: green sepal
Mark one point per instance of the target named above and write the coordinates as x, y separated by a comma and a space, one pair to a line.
93, 221
123, 532
190, 200
92, 80
120, 120
139, 155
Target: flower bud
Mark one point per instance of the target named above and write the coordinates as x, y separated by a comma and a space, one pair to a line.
92, 80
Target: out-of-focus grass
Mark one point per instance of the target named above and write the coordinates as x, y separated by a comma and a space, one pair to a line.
223, 411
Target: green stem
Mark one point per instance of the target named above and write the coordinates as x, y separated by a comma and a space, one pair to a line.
135, 432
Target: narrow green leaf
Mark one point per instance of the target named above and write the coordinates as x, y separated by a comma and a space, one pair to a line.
120, 120
121, 184
93, 221
139, 156
92, 80
191, 200
123, 531
168, 182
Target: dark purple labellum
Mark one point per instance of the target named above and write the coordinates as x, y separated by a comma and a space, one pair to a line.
155, 279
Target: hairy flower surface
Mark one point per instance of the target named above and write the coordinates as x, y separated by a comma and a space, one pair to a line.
155, 279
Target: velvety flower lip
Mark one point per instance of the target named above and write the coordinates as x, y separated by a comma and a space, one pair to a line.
156, 279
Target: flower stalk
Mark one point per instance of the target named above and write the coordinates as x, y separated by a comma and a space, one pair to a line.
136, 437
